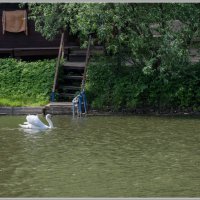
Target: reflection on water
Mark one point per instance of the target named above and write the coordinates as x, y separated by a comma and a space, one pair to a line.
101, 157
33, 131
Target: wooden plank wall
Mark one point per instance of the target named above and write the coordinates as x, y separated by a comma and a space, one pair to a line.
20, 40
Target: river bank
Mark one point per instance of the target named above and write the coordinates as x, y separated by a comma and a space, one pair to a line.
25, 110
9, 110
67, 110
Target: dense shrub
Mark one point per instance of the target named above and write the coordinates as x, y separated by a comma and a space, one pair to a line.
129, 87
25, 83
109, 85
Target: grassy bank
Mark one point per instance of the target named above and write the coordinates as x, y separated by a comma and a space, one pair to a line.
25, 83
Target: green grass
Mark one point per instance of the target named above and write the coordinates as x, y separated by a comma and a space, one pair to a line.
22, 102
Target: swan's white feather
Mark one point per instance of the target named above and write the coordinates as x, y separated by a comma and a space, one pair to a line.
34, 121
28, 126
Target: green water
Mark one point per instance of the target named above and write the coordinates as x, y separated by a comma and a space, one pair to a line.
101, 157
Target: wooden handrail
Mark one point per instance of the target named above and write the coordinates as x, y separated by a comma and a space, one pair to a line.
60, 54
86, 62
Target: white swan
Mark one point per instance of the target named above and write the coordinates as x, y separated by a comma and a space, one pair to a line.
33, 122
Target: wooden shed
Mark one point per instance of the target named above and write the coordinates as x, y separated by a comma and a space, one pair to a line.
19, 39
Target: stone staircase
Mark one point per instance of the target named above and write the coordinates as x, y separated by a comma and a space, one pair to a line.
71, 73
70, 78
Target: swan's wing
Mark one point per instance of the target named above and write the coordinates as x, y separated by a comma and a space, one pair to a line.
24, 125
27, 126
35, 121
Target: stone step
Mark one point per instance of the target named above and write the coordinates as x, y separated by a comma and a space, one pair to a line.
78, 50
74, 64
58, 108
66, 96
77, 57
60, 104
64, 87
71, 77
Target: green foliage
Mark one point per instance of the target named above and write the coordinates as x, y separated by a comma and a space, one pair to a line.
25, 83
159, 74
50, 19
124, 28
109, 86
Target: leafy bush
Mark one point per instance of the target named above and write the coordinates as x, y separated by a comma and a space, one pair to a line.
25, 83
131, 87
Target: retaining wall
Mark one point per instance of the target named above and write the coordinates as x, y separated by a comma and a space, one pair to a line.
20, 110
55, 110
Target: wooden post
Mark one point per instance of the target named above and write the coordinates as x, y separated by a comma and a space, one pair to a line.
3, 22
57, 67
26, 22
86, 62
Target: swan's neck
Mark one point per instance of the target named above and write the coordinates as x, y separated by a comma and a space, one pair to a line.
50, 122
